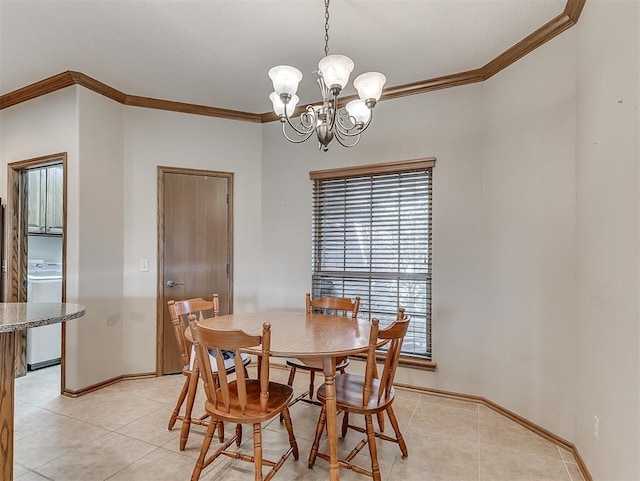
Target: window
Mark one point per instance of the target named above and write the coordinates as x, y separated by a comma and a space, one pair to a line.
372, 238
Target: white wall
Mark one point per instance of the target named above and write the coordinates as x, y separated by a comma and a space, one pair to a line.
529, 262
95, 243
158, 138
607, 181
47, 248
87, 126
43, 126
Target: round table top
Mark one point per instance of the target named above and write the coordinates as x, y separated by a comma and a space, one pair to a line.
301, 335
15, 316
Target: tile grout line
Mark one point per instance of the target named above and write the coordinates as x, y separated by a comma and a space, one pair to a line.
130, 464
564, 462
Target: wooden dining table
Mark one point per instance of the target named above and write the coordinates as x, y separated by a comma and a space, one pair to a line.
317, 339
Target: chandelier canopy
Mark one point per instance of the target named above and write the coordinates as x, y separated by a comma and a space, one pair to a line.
327, 120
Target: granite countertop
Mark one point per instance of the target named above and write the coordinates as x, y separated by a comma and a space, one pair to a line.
15, 316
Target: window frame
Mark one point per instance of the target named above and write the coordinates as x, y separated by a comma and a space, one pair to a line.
399, 167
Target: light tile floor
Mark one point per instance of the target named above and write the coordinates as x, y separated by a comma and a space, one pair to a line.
119, 434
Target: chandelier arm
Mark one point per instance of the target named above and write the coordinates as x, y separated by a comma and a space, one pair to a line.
341, 126
334, 112
308, 129
368, 121
342, 140
344, 131
303, 138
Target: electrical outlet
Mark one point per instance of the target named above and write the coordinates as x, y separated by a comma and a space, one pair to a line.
144, 265
596, 428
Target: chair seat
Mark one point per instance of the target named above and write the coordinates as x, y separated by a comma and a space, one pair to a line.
279, 397
349, 389
228, 359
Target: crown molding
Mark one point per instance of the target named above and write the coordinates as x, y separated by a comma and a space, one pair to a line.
69, 78
43, 87
567, 19
152, 103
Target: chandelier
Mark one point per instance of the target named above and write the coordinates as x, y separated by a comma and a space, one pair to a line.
327, 120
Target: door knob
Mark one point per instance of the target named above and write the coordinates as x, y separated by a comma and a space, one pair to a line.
171, 283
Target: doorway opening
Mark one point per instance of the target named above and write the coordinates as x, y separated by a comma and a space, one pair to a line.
36, 254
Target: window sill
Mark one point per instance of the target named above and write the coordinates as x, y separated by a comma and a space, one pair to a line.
405, 361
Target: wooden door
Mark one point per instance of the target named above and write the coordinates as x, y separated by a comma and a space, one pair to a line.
195, 247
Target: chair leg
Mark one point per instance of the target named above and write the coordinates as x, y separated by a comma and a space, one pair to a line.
216, 381
257, 451
206, 442
380, 417
292, 438
312, 376
221, 432
176, 411
316, 440
292, 375
191, 396
238, 434
396, 428
345, 424
373, 449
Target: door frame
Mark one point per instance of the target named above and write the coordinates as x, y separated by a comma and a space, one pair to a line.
16, 235
161, 301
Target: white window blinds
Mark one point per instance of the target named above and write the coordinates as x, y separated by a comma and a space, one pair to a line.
372, 238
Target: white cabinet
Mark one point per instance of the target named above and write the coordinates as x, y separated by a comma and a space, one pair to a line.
45, 200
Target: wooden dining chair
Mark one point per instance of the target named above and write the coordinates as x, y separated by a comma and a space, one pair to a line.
240, 401
367, 395
337, 306
178, 312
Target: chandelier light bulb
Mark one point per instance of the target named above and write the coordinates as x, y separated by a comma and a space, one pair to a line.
369, 86
335, 70
278, 105
359, 111
285, 80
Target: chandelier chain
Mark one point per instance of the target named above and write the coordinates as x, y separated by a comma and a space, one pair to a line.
326, 27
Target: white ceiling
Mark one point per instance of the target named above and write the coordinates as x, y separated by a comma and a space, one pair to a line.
218, 52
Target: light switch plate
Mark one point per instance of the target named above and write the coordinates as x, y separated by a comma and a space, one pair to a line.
144, 265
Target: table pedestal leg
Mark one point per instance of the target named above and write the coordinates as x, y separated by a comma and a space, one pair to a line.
7, 376
329, 368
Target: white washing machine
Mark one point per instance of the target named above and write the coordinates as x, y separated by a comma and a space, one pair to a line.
44, 343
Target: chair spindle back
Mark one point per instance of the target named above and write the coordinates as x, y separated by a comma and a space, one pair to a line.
333, 305
394, 334
206, 338
178, 312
